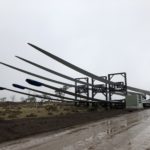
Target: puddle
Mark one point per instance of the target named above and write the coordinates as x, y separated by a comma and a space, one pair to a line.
129, 131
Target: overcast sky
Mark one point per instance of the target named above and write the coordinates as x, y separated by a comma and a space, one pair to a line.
101, 36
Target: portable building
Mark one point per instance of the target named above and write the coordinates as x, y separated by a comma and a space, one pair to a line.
134, 101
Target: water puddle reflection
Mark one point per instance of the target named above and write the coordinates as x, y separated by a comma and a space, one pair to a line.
130, 131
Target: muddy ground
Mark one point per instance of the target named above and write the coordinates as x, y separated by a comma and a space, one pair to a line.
18, 128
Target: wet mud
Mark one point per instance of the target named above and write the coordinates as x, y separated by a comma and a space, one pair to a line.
19, 128
125, 132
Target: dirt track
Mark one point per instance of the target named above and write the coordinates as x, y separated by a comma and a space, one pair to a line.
125, 132
14, 129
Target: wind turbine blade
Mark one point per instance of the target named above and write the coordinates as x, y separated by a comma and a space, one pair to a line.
80, 70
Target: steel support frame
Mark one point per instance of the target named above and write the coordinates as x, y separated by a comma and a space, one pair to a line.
100, 88
112, 88
82, 88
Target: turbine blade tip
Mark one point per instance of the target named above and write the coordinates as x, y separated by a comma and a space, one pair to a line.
17, 56
2, 88
29, 44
